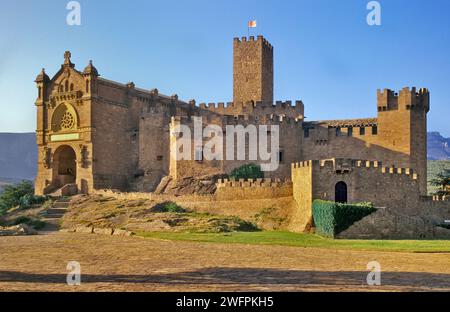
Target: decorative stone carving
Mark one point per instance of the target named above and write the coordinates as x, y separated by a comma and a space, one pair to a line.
83, 156
46, 157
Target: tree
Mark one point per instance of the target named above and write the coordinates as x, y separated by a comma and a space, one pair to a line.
249, 171
12, 195
442, 180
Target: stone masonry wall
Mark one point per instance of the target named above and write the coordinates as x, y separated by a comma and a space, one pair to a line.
252, 70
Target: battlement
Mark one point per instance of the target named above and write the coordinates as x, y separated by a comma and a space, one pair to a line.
268, 119
251, 40
343, 166
261, 120
253, 183
233, 108
276, 104
406, 99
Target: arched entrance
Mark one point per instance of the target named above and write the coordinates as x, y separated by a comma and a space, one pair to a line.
64, 166
340, 192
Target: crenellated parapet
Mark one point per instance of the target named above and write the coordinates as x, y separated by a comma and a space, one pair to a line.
263, 182
288, 108
343, 166
244, 120
406, 99
251, 39
253, 189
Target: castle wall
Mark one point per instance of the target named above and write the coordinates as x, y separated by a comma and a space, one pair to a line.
154, 150
252, 189
289, 145
302, 189
397, 137
325, 140
366, 181
113, 146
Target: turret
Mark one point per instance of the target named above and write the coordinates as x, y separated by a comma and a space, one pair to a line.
42, 81
90, 75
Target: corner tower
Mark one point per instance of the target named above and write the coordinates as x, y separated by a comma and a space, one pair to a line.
252, 70
402, 126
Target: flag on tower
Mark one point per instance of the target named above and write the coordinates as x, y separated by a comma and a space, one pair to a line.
252, 24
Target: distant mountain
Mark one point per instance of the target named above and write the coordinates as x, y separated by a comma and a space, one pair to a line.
438, 147
18, 156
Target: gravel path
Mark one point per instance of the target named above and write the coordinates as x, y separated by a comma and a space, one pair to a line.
38, 263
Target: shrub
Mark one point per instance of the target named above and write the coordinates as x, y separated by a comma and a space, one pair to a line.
332, 218
13, 194
29, 200
36, 224
169, 207
248, 171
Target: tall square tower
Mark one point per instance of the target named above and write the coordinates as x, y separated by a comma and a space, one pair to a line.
252, 70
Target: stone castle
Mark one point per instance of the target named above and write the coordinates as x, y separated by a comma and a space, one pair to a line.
95, 134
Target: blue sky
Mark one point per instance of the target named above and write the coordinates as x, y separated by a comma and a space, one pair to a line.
325, 53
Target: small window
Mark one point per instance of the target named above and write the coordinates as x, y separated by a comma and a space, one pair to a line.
281, 157
87, 86
40, 92
362, 131
338, 131
306, 132
374, 130
350, 131
71, 87
159, 158
67, 86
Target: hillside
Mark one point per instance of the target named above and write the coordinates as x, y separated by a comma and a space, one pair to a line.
438, 147
18, 156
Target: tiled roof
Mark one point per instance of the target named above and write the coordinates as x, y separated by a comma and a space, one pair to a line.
364, 122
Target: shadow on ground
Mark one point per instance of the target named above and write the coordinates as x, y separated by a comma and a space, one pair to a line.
247, 276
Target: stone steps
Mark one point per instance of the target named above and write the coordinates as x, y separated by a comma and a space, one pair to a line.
53, 215
55, 210
61, 204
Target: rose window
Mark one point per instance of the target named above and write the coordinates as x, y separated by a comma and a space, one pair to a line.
67, 121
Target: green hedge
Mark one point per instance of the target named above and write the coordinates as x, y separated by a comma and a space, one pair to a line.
332, 218
249, 171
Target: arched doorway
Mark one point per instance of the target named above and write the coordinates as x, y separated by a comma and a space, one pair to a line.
64, 166
341, 192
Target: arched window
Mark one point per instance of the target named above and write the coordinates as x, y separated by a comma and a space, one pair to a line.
40, 92
67, 86
71, 87
87, 86
61, 88
341, 192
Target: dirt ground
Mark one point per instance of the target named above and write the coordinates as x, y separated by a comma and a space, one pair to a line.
38, 263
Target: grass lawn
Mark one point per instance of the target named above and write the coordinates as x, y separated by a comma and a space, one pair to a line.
304, 240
